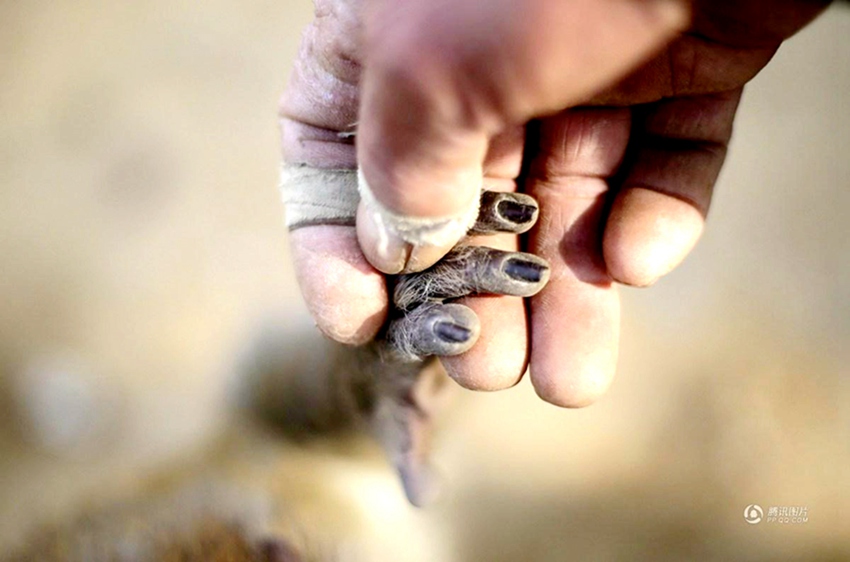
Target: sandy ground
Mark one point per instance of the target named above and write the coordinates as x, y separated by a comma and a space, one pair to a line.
142, 253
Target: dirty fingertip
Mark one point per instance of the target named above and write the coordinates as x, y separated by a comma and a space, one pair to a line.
572, 382
500, 357
345, 295
648, 234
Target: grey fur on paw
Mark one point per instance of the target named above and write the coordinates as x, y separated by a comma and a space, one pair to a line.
426, 326
468, 270
433, 329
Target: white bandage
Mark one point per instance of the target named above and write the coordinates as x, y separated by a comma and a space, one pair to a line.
316, 196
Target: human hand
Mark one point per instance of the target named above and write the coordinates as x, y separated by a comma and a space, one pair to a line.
441, 95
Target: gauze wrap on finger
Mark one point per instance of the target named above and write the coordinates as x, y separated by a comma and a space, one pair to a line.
314, 196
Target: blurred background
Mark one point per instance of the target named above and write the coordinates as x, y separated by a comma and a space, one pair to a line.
143, 265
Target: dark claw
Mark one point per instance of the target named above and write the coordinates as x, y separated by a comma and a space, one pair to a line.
523, 270
452, 333
433, 329
505, 212
517, 213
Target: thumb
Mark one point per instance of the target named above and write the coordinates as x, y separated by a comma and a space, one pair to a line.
441, 77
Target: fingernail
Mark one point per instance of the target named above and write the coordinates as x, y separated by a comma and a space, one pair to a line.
387, 253
515, 212
524, 270
453, 333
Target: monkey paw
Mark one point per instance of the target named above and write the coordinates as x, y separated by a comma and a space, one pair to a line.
423, 323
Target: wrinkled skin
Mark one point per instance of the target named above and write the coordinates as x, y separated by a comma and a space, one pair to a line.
444, 94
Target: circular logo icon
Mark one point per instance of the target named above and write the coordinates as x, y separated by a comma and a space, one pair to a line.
753, 514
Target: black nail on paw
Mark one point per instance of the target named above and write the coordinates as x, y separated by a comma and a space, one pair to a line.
516, 212
524, 270
452, 333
